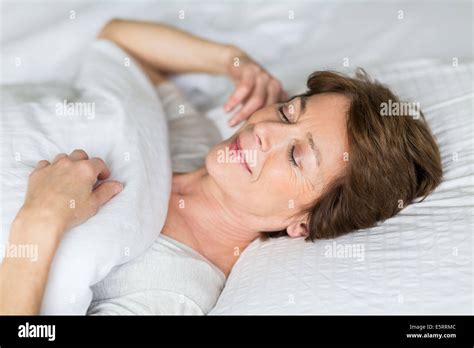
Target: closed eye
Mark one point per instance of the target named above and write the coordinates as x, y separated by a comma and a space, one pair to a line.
282, 114
291, 150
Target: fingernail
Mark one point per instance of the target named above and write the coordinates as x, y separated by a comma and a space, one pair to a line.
118, 188
226, 108
231, 123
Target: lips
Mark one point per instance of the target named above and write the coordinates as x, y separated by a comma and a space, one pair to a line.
235, 146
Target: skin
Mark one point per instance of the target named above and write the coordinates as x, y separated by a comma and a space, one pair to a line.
177, 52
225, 206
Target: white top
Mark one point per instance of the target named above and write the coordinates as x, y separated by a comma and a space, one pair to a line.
169, 278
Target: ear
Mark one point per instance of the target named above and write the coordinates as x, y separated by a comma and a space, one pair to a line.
298, 229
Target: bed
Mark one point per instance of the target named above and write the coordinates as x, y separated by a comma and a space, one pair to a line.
417, 262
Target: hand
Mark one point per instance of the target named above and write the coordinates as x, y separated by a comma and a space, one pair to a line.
255, 88
60, 195
62, 191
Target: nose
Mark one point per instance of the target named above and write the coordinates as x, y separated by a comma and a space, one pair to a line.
270, 134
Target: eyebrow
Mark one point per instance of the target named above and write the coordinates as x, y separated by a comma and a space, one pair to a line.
314, 147
303, 100
312, 144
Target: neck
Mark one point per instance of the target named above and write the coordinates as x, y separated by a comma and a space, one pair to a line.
199, 216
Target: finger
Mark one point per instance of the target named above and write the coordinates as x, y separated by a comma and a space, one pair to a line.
283, 95
273, 92
104, 192
100, 168
243, 89
42, 164
58, 157
78, 155
255, 102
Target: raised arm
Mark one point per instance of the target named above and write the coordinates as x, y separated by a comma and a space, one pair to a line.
60, 195
172, 50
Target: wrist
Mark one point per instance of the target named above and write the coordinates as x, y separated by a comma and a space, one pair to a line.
232, 54
37, 228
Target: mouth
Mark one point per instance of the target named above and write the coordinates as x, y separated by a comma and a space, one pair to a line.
240, 154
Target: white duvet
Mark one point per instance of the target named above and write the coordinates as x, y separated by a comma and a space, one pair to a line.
112, 112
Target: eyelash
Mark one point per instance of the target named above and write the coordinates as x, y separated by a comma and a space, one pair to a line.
291, 156
291, 150
280, 110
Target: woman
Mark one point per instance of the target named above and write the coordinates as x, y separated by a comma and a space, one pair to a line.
319, 165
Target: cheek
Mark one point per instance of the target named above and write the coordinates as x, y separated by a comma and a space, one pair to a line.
278, 186
288, 187
273, 194
224, 170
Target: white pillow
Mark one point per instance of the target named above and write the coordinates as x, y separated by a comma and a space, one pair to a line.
417, 262
126, 127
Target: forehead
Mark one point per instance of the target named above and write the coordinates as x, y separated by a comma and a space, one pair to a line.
325, 117
325, 106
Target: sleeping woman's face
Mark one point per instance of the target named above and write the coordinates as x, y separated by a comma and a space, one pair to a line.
281, 159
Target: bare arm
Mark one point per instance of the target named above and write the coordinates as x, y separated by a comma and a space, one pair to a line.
23, 280
44, 218
171, 50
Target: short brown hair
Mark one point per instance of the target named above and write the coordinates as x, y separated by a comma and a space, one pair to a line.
392, 160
